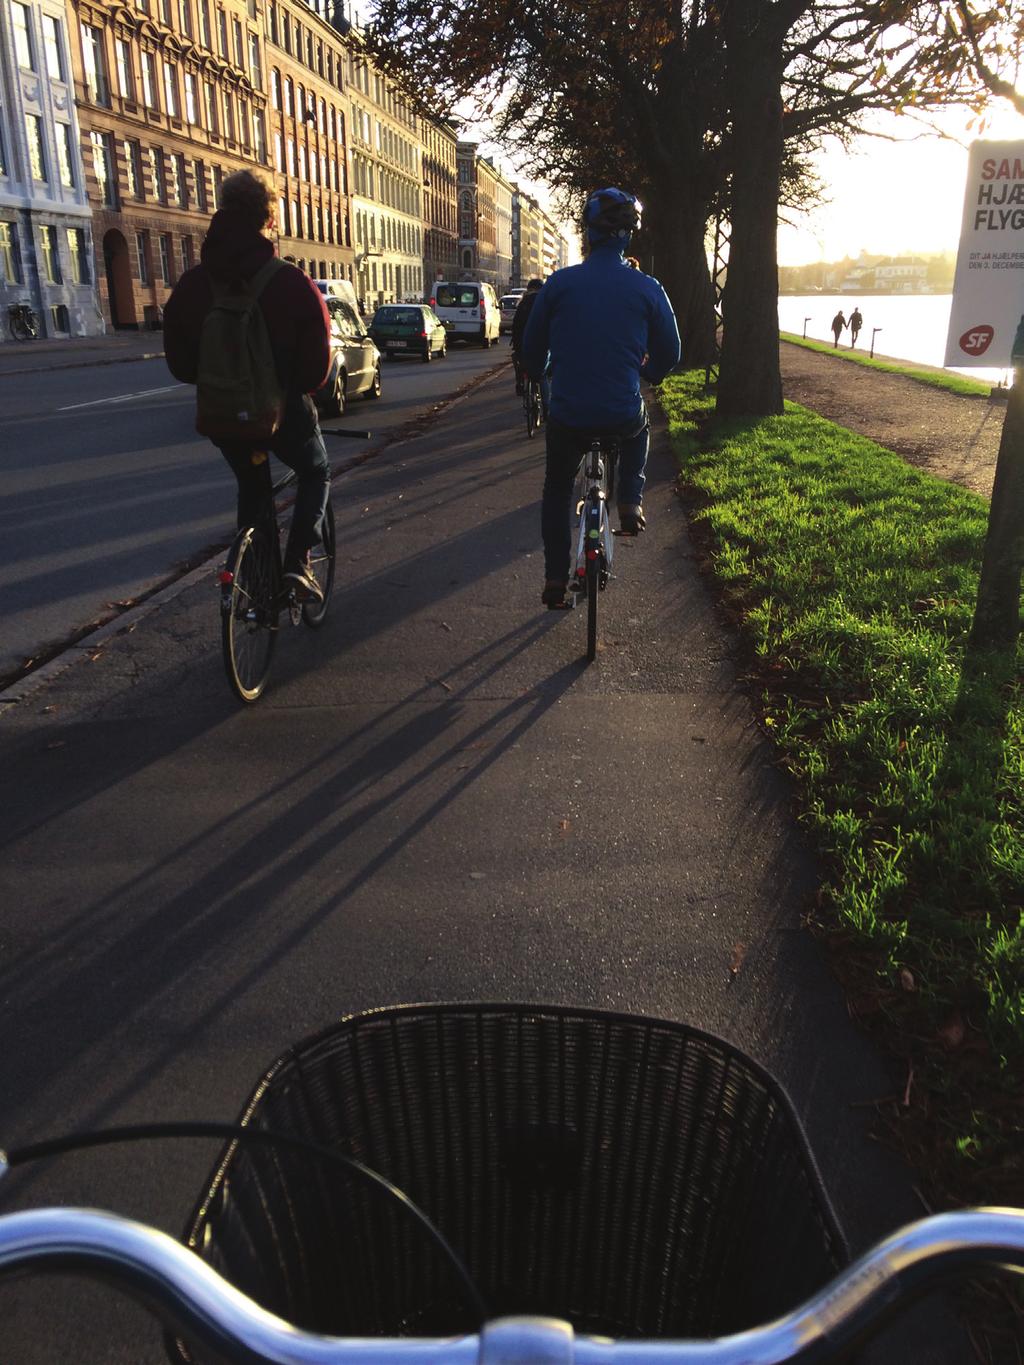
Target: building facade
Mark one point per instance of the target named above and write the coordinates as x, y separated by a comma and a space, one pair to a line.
440, 203
503, 192
387, 186
527, 261
308, 140
46, 247
171, 100
477, 187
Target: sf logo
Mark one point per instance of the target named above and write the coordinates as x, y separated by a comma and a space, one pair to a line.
976, 340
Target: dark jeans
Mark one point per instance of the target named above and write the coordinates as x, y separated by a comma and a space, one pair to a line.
300, 445
566, 447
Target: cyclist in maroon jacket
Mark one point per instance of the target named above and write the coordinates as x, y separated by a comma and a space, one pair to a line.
299, 327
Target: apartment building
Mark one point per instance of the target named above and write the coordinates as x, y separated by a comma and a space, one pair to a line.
527, 261
170, 96
46, 251
477, 189
387, 185
306, 116
503, 192
440, 212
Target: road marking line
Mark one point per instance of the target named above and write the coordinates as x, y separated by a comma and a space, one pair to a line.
121, 397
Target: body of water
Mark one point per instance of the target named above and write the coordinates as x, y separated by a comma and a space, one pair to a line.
913, 326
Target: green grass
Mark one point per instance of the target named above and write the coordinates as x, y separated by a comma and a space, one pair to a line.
953, 383
853, 578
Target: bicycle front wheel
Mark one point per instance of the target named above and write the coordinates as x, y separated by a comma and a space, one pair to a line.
532, 411
20, 329
321, 560
248, 615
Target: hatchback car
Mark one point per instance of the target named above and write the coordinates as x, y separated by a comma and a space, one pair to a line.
355, 361
508, 305
409, 329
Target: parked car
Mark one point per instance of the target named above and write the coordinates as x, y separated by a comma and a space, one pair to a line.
409, 329
355, 360
469, 310
508, 305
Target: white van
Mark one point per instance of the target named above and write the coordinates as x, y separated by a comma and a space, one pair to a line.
339, 289
468, 308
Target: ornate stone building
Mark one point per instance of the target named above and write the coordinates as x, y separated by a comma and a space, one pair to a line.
171, 100
477, 226
440, 215
46, 250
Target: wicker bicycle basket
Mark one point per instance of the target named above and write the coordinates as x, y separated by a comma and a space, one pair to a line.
637, 1177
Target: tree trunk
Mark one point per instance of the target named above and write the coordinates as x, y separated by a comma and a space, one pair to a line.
678, 259
997, 611
749, 381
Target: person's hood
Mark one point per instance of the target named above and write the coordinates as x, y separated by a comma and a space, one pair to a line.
233, 249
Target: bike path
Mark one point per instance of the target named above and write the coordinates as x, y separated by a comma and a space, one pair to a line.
434, 800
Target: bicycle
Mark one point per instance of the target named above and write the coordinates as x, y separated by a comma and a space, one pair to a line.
253, 596
595, 539
533, 407
22, 321
604, 1176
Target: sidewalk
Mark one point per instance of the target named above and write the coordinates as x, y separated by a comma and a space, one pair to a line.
30, 357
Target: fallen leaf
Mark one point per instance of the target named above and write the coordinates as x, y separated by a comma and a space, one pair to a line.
57, 744
478, 876
441, 683
907, 979
563, 826
953, 1031
446, 626
48, 710
909, 1085
739, 952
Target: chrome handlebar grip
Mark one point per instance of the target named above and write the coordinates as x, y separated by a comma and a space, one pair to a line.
193, 1300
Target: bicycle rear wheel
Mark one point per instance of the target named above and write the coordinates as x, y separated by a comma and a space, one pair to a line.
532, 410
248, 615
321, 559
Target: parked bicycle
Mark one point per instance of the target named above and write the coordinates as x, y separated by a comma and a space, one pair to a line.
595, 539
253, 594
473, 1184
21, 319
533, 406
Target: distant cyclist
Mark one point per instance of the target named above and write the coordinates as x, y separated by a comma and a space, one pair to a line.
605, 326
236, 258
519, 320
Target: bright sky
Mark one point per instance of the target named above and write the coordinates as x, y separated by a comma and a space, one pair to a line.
893, 198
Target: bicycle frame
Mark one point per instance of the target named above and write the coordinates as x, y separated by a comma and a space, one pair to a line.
594, 537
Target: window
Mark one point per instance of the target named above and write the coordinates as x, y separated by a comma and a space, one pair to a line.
199, 177
259, 137
96, 87
65, 155
50, 254
282, 217
123, 54
187, 253
156, 172
191, 97
78, 255
289, 96
243, 122
170, 90
273, 23
255, 71
185, 16
205, 32
9, 271
34, 129
3, 153
179, 189
229, 116
278, 152
218, 180
210, 97
303, 163
166, 258
142, 6
296, 221
291, 156
53, 48
222, 25
275, 88
149, 81
22, 36
133, 168
142, 247
236, 32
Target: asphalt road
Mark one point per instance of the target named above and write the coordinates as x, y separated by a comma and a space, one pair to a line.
105, 487
434, 800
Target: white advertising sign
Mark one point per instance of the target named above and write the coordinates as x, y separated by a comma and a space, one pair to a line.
988, 291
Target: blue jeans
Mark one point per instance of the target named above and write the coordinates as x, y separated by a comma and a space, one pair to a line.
566, 447
299, 444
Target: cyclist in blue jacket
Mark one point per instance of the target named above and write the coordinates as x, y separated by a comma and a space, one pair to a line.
605, 327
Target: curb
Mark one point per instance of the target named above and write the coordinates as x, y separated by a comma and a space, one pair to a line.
82, 364
24, 688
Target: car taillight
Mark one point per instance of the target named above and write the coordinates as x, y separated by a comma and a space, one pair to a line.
423, 336
483, 310
433, 303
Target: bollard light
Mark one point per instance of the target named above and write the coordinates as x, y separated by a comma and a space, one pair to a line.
874, 333
806, 321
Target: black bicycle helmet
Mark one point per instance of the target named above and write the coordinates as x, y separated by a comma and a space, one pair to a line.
611, 215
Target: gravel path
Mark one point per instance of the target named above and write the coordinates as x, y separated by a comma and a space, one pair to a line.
946, 434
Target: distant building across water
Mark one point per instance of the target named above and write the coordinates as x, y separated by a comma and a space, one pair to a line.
871, 275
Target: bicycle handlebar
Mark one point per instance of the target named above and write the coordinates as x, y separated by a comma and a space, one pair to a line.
353, 435
192, 1299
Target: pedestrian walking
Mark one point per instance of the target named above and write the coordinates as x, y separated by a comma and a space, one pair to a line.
838, 323
856, 323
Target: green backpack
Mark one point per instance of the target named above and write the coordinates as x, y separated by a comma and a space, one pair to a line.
239, 396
